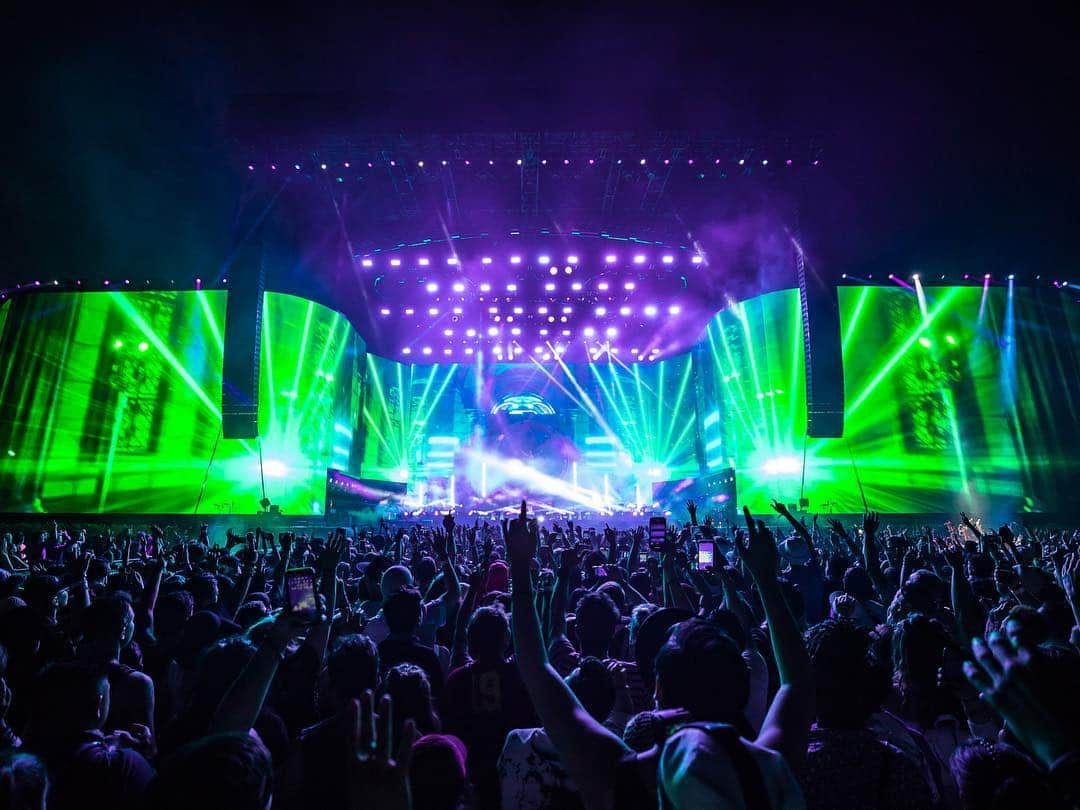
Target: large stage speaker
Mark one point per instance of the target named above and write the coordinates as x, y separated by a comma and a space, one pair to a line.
243, 332
821, 345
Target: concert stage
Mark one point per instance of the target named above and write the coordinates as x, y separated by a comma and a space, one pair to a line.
607, 325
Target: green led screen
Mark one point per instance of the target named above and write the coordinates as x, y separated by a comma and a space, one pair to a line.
953, 401
111, 402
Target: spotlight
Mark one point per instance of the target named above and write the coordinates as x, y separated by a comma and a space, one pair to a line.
950, 340
458, 286
629, 285
571, 259
470, 333
1011, 276
448, 332
639, 259
674, 309
395, 262
511, 287
603, 286
447, 351
420, 163
424, 262
611, 331
468, 350
576, 286
601, 311
764, 163
642, 161
515, 331
550, 287
567, 310
669, 260
697, 260
518, 310
492, 331
650, 311
493, 310
609, 259
251, 168
543, 332
384, 311
406, 350
426, 350
452, 260
742, 161
367, 262
545, 260
554, 271
588, 331
485, 287
624, 311
925, 342
568, 269
486, 260
433, 311
322, 166
432, 287
542, 310
409, 311
987, 277
515, 260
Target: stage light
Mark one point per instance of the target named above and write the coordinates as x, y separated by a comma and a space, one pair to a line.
987, 277
603, 286
468, 350
789, 161
273, 167
432, 287
550, 287
497, 318
571, 259
642, 161
395, 262
519, 161
458, 287
511, 287
650, 311
926, 343
367, 262
119, 344
667, 161
697, 260
782, 465
565, 162
493, 310
633, 351
576, 286
591, 161
566, 332
423, 262
384, 311
547, 356
764, 163
486, 260
433, 311
551, 319
427, 350
624, 311
443, 163
639, 259
567, 310
568, 269
588, 331
515, 331
408, 310
543, 332
322, 166
668, 260
742, 161
554, 271
485, 287
448, 332
492, 331
601, 311
537, 349
950, 340
542, 310
629, 285
610, 259
611, 331
562, 319
545, 260
453, 260
674, 309
420, 163
515, 260
251, 168
296, 166
497, 349
447, 351
1011, 276
843, 275
543, 162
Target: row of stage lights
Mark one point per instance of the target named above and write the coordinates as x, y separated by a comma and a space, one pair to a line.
544, 352
649, 311
543, 260
78, 284
421, 164
986, 277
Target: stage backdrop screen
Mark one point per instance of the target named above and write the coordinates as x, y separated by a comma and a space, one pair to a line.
111, 402
956, 398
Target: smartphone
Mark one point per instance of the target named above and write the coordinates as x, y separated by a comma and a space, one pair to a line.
705, 554
642, 556
300, 593
657, 529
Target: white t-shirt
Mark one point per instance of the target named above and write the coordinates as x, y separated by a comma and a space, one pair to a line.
696, 773
531, 777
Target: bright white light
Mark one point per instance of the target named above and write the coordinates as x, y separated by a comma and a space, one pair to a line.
629, 285
427, 350
610, 259
493, 310
650, 311
566, 332
273, 468
568, 269
485, 287
550, 287
459, 287
571, 259
470, 332
515, 331
669, 260
601, 311
603, 286
674, 309
433, 311
457, 310
406, 350
588, 331
542, 310
384, 311
639, 259
409, 310
567, 310
432, 287
782, 465
697, 260
395, 262
447, 351
367, 262
424, 262
448, 332
545, 260
452, 260
486, 260
511, 287
611, 331
543, 332
576, 286
624, 311
468, 350
519, 310
515, 260
492, 331
554, 271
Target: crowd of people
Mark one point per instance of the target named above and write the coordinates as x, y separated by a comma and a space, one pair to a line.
542, 666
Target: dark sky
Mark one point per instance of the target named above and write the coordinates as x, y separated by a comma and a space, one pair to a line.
949, 138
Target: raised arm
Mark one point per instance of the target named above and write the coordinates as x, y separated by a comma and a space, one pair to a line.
588, 751
796, 524
871, 522
787, 725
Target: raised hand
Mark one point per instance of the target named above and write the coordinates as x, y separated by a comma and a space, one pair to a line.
1006, 680
871, 521
758, 551
522, 539
691, 509
779, 508
378, 772
837, 527
331, 555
